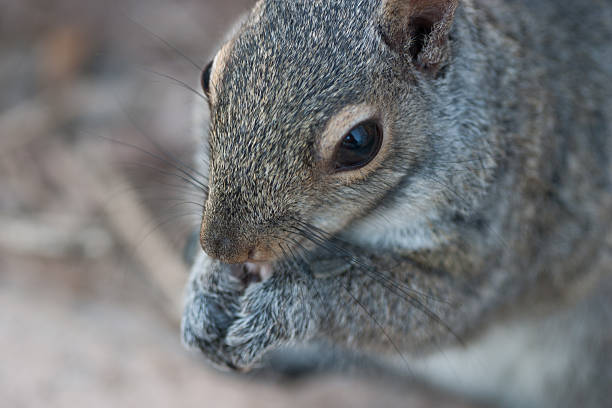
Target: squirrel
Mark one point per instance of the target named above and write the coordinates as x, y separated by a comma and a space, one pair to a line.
426, 182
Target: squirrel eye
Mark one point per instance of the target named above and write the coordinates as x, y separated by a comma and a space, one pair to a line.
205, 78
358, 147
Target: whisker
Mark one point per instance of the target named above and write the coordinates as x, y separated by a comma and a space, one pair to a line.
164, 222
380, 326
364, 308
360, 304
190, 181
354, 260
156, 144
202, 186
387, 283
165, 42
181, 188
182, 84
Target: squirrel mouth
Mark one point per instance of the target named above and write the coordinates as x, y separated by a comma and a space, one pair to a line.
250, 272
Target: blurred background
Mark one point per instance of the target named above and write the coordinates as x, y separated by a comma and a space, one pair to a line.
94, 101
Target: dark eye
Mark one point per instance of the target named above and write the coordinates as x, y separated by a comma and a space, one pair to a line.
205, 78
358, 147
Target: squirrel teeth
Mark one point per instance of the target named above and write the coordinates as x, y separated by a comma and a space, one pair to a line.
250, 272
263, 270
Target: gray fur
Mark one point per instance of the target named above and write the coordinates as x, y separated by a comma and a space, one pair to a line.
495, 199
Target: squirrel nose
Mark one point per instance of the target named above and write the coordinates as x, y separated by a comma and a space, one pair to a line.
224, 246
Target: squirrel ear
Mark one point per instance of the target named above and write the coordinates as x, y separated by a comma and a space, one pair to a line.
420, 29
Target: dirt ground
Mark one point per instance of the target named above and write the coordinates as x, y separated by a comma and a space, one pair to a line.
92, 229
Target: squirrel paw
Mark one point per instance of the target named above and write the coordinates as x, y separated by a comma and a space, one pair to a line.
234, 324
210, 308
273, 314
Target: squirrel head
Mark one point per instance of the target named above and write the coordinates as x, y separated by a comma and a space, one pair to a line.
322, 113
